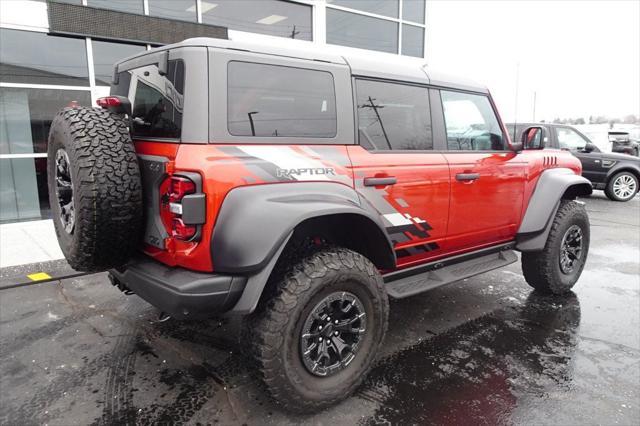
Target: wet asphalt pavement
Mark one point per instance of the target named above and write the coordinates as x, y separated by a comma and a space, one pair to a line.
482, 351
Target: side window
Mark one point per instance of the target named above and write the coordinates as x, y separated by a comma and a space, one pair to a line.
570, 139
393, 116
278, 101
158, 101
471, 123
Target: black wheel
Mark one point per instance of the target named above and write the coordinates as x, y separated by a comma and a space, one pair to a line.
622, 186
316, 337
558, 266
94, 188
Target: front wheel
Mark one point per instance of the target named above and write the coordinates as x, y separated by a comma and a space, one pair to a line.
622, 187
558, 266
316, 338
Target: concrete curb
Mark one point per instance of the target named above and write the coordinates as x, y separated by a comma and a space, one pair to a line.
36, 273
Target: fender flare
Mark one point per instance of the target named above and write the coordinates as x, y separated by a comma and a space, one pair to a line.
255, 221
625, 166
552, 186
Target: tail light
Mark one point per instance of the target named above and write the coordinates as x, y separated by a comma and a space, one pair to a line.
117, 104
186, 205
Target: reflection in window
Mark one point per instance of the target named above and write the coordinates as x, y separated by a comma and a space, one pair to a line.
272, 17
37, 58
350, 29
413, 10
277, 101
158, 102
106, 54
26, 115
471, 123
381, 7
184, 10
131, 6
393, 116
23, 189
570, 139
412, 41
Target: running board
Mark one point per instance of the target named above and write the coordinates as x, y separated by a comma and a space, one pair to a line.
439, 275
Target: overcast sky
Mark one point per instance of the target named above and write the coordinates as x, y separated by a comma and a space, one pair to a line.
581, 57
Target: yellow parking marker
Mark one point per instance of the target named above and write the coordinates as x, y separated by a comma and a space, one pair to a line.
39, 276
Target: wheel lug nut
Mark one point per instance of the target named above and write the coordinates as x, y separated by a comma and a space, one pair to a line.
320, 339
327, 340
320, 328
328, 319
336, 321
335, 333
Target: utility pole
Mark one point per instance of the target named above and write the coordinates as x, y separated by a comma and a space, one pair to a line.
534, 106
375, 110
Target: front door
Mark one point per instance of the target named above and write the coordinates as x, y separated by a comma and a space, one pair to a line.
570, 140
396, 170
487, 179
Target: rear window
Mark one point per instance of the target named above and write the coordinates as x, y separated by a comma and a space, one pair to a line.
278, 101
158, 100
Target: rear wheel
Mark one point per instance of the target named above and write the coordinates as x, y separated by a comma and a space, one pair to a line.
622, 187
558, 266
317, 336
94, 188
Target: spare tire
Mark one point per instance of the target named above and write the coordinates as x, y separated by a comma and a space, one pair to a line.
95, 191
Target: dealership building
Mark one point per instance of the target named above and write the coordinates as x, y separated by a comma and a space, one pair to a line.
57, 53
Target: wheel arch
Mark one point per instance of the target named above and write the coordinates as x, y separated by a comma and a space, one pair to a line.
553, 186
288, 213
623, 168
256, 221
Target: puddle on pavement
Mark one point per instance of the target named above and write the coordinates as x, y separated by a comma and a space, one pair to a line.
475, 373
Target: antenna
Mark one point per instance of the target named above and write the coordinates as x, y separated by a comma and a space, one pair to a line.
515, 112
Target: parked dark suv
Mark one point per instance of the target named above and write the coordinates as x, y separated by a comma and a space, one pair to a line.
624, 141
617, 174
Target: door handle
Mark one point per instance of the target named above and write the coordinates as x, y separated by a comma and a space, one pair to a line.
380, 181
467, 177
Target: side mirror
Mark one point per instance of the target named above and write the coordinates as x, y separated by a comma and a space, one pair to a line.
533, 137
589, 147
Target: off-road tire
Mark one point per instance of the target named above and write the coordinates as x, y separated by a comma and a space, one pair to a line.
274, 329
542, 268
610, 193
107, 192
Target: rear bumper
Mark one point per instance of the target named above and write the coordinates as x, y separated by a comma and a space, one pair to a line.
179, 292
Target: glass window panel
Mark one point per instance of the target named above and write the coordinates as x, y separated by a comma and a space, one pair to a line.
105, 54
184, 10
23, 189
32, 57
131, 6
413, 10
380, 7
471, 123
272, 17
393, 116
67, 1
412, 41
570, 139
350, 29
273, 101
26, 115
159, 101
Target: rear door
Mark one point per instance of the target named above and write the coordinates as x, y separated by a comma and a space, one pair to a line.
396, 170
487, 179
